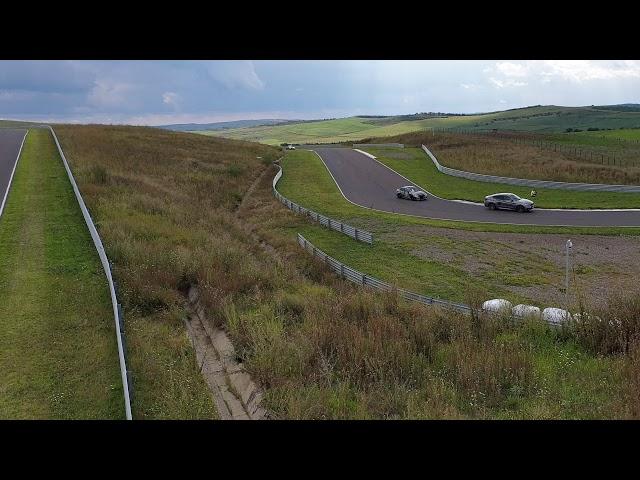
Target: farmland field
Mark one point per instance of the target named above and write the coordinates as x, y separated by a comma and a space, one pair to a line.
500, 156
613, 136
541, 119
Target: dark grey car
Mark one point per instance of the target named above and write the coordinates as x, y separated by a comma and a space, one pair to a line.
508, 201
411, 193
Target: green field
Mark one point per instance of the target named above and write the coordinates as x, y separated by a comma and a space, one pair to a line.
611, 137
58, 352
419, 168
327, 131
540, 119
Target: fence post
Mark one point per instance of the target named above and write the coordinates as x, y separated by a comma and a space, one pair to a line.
342, 270
364, 281
356, 234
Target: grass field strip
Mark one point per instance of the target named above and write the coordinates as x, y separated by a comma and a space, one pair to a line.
15, 165
357, 234
105, 264
598, 187
582, 152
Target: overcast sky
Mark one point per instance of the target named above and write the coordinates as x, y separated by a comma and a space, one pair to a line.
161, 92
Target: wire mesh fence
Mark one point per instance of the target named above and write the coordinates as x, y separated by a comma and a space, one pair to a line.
587, 153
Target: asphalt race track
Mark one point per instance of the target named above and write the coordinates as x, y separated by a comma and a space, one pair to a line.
10, 141
368, 183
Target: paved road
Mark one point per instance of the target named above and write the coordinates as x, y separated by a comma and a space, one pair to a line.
10, 141
367, 182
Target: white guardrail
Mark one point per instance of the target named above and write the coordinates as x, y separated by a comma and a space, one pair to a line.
359, 235
595, 187
107, 270
13, 172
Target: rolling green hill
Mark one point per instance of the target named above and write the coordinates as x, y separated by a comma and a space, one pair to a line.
542, 119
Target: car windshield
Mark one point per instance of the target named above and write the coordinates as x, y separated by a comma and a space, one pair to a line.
514, 197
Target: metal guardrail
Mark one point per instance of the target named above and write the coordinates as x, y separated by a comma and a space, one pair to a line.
382, 145
359, 235
13, 171
360, 278
594, 187
117, 314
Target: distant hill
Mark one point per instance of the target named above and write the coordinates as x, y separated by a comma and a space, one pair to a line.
538, 118
197, 127
623, 107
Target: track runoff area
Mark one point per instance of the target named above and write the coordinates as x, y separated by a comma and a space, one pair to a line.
368, 183
10, 145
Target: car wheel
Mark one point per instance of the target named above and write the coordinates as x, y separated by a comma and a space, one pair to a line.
520, 209
492, 206
398, 195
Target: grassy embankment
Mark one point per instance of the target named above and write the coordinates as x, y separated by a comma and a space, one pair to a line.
321, 347
58, 352
163, 204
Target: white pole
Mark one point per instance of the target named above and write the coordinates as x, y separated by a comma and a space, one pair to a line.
568, 247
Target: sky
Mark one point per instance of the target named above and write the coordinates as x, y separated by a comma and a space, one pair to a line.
165, 92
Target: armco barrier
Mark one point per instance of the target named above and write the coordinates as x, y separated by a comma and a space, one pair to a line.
365, 280
359, 235
594, 187
13, 171
107, 270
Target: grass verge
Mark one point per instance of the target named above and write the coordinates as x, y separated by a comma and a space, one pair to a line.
58, 351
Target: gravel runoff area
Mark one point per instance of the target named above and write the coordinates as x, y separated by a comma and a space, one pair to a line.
368, 183
601, 265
